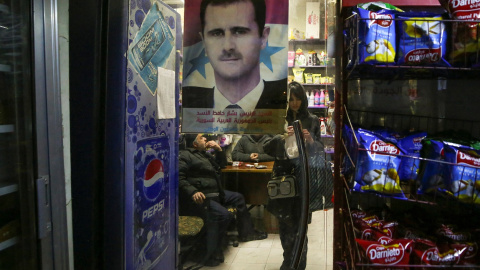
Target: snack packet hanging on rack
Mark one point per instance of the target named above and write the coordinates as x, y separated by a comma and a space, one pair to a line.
377, 166
411, 145
432, 174
430, 253
422, 39
376, 35
376, 6
465, 174
395, 252
465, 50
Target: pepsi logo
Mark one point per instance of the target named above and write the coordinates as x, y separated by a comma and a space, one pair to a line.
153, 179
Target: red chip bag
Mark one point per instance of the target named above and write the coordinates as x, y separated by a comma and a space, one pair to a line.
396, 252
428, 253
452, 233
358, 214
380, 237
466, 42
462, 10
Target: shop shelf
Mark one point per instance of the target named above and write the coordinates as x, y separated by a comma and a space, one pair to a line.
318, 84
310, 40
318, 107
461, 68
317, 66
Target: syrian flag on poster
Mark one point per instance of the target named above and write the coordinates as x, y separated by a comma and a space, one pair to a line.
197, 70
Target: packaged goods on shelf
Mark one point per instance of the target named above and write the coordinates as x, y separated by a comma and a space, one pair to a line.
466, 42
410, 165
413, 239
376, 36
422, 39
298, 74
296, 34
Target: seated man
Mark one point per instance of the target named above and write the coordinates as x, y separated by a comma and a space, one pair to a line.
250, 149
199, 185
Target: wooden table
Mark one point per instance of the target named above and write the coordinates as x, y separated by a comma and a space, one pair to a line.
252, 183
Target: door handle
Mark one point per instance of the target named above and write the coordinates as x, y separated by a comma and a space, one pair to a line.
44, 223
300, 241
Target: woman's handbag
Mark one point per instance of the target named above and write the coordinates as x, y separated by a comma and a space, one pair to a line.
321, 183
282, 187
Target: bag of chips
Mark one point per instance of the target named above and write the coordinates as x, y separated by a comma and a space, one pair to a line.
465, 174
422, 39
466, 40
377, 166
411, 145
376, 32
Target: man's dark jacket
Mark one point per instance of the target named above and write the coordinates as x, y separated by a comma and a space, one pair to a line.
247, 145
200, 171
274, 96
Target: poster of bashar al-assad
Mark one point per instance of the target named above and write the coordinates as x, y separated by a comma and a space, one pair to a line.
235, 66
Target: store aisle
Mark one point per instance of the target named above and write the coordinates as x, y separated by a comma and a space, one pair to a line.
267, 254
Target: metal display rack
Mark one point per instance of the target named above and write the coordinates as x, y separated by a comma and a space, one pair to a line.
435, 204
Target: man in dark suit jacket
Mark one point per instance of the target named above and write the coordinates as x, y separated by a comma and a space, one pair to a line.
233, 34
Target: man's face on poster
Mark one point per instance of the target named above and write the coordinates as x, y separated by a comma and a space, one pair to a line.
232, 41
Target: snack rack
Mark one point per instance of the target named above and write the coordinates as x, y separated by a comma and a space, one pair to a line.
357, 102
458, 68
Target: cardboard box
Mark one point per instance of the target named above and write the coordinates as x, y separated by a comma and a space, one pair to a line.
312, 20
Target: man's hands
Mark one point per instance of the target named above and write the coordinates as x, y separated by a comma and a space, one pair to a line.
214, 145
253, 156
198, 197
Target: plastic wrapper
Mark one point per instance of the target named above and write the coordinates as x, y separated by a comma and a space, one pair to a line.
464, 182
411, 145
395, 252
430, 253
376, 37
377, 167
422, 39
465, 50
298, 74
376, 6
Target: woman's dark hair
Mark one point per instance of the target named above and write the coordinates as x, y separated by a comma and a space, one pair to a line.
298, 91
258, 5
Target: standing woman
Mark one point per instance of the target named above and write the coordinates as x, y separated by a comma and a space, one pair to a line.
288, 210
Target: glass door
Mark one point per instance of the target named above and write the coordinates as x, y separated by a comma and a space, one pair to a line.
17, 201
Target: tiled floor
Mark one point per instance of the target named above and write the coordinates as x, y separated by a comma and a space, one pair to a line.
267, 254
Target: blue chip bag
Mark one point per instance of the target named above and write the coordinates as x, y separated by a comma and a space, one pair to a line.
376, 32
352, 149
434, 175
377, 167
422, 39
388, 134
411, 146
464, 182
